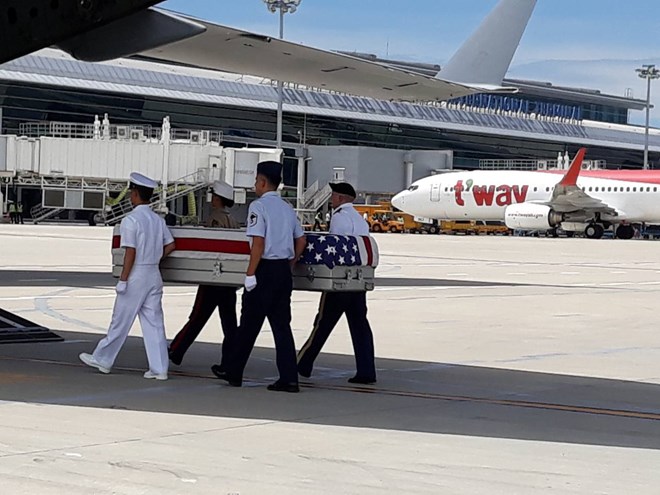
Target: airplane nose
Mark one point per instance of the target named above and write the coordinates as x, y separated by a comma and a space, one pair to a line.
398, 201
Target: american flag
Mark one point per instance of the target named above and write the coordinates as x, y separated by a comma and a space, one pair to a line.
338, 250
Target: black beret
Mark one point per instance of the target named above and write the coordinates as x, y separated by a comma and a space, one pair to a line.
271, 170
343, 188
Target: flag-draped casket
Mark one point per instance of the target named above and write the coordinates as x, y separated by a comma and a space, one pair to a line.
220, 257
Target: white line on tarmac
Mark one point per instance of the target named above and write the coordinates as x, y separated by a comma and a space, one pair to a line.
100, 296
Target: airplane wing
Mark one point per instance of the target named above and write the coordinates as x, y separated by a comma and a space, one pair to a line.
567, 197
233, 50
478, 67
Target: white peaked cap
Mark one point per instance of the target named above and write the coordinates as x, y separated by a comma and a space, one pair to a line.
223, 189
143, 180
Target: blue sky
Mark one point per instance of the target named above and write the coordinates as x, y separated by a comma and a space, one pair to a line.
595, 44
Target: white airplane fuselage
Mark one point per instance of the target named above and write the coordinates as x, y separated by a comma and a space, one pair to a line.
485, 195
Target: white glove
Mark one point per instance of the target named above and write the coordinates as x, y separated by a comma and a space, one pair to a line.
121, 287
250, 282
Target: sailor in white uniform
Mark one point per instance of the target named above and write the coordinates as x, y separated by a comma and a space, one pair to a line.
345, 221
146, 240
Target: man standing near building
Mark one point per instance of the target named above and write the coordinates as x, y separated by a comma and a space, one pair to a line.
345, 221
19, 213
147, 240
317, 221
210, 297
277, 242
12, 212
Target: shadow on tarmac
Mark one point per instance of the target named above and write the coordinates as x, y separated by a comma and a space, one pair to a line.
410, 396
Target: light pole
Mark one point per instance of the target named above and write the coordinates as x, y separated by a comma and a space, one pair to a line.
284, 6
648, 72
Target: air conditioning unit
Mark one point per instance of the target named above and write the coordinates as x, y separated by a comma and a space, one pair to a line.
542, 165
123, 132
196, 137
137, 134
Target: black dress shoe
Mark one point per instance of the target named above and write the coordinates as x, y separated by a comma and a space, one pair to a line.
174, 358
362, 380
304, 373
284, 387
223, 375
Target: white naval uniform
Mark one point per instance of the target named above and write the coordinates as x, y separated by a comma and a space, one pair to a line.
145, 231
347, 221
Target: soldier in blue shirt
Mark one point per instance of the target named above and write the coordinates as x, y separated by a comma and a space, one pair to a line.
277, 242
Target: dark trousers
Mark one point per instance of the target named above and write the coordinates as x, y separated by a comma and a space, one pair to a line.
332, 306
208, 298
271, 299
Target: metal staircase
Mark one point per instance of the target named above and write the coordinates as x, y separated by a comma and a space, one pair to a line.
189, 184
315, 198
40, 213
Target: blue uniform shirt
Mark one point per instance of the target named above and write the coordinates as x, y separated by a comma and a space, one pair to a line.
347, 221
273, 219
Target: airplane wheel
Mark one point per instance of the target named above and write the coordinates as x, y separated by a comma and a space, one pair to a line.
625, 232
594, 231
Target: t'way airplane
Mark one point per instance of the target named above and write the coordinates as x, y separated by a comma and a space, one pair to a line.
587, 201
96, 30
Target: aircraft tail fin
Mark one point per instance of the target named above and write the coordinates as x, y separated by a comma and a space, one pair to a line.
485, 57
571, 177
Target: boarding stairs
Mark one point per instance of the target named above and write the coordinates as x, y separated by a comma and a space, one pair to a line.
40, 213
183, 186
315, 198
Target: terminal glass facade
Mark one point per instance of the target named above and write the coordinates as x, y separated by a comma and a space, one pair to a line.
22, 102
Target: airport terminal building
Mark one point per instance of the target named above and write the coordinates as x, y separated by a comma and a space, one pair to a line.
378, 145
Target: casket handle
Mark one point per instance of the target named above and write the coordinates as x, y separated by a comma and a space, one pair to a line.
217, 269
310, 274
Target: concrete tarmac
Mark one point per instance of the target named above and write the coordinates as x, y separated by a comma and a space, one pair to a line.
505, 366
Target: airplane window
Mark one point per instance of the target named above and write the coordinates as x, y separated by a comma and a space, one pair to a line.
595, 189
627, 189
547, 189
535, 189
413, 188
648, 189
655, 189
634, 189
616, 189
590, 189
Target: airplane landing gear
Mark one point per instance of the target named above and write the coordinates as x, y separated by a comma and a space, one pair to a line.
594, 231
625, 232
